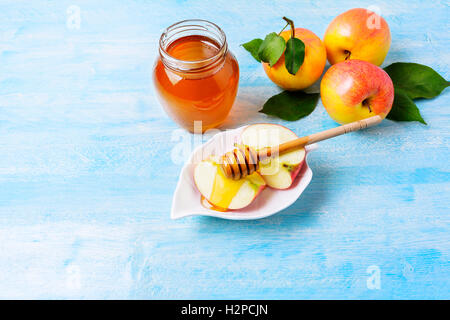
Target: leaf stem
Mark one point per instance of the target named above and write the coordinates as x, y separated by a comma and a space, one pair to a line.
283, 28
290, 22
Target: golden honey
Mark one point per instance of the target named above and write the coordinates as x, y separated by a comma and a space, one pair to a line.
196, 76
224, 189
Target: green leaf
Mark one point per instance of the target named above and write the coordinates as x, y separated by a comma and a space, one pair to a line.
404, 108
416, 80
271, 48
294, 55
291, 105
253, 47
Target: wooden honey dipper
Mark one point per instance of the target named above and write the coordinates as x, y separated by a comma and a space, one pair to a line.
243, 161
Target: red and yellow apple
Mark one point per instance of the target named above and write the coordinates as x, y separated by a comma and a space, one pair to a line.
311, 69
354, 90
223, 192
278, 172
357, 34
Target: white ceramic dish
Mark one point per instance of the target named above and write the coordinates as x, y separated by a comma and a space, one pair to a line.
186, 199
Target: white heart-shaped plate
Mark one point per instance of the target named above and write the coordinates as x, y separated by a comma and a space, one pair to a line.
186, 199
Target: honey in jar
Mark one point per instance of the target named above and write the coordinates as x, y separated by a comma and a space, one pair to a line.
196, 76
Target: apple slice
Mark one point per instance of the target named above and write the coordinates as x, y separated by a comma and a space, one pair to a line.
223, 192
278, 172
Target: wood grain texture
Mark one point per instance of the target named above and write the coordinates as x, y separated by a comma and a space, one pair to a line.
86, 188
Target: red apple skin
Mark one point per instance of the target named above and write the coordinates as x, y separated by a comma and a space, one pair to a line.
295, 172
354, 90
357, 34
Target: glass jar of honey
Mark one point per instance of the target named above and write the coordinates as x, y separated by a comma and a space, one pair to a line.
195, 75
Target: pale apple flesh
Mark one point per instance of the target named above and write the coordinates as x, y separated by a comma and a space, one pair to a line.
223, 192
278, 172
357, 34
311, 69
354, 90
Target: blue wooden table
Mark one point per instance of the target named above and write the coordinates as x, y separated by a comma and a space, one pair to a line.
86, 180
